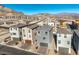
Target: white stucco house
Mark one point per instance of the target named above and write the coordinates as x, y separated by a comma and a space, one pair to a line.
53, 23
23, 32
28, 33
64, 38
16, 31
44, 36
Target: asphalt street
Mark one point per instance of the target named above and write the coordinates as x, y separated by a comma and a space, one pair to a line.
5, 50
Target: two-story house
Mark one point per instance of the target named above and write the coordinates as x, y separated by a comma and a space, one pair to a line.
64, 39
44, 38
16, 31
28, 33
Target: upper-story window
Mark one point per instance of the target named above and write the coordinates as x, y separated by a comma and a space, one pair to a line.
14, 33
36, 40
44, 38
38, 31
59, 41
24, 35
29, 36
11, 28
29, 31
59, 35
20, 33
68, 42
24, 32
46, 33
65, 36
15, 28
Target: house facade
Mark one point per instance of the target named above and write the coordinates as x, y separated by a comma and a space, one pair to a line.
16, 31
28, 33
44, 36
64, 38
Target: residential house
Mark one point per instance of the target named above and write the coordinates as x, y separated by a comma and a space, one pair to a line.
28, 33
16, 31
44, 37
64, 38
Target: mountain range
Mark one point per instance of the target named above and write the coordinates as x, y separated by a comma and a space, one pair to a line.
63, 15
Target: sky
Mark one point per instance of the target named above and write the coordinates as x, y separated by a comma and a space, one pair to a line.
44, 8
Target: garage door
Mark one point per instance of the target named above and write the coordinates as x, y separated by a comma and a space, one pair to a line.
28, 42
44, 44
63, 51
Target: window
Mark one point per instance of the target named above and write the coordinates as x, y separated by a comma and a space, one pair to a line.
29, 31
23, 31
11, 28
46, 33
38, 31
15, 28
59, 35
36, 40
20, 33
14, 33
59, 41
29, 36
65, 36
24, 35
44, 38
68, 42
